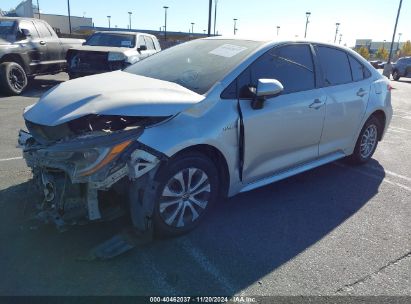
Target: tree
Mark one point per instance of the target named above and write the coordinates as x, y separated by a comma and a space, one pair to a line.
382, 53
363, 51
406, 49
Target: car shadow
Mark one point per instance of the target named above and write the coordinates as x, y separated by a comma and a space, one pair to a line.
404, 80
38, 86
245, 238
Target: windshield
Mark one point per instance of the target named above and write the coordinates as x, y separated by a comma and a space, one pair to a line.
7, 30
112, 39
196, 65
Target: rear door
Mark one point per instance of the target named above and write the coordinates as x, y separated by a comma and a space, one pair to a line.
287, 130
347, 85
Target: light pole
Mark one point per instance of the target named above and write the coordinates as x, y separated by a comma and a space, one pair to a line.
307, 14
129, 19
337, 25
398, 45
278, 30
339, 42
210, 9
165, 22
109, 23
192, 27
235, 25
215, 15
387, 67
69, 15
38, 9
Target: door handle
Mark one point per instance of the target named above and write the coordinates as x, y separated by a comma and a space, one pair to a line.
361, 92
316, 104
43, 42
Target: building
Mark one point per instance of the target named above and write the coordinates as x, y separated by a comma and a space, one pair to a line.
59, 23
373, 46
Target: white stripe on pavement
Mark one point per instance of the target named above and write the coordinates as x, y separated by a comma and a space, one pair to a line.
389, 172
206, 265
376, 177
9, 159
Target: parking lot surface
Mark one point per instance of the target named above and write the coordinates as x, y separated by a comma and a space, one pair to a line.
335, 230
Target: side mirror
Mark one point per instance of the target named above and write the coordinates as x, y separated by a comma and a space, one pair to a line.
265, 88
25, 33
142, 48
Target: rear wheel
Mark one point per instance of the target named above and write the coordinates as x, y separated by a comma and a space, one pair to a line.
13, 78
395, 75
367, 142
188, 189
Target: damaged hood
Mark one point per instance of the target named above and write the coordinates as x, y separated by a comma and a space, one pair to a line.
115, 93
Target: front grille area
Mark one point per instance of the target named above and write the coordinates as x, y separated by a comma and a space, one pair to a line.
89, 61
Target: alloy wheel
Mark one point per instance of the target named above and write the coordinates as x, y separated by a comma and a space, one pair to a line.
368, 141
185, 197
17, 79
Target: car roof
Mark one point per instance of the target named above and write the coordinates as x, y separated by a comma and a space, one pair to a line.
123, 32
273, 42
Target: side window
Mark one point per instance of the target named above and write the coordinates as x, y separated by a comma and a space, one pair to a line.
357, 69
43, 30
335, 65
28, 25
141, 41
150, 43
292, 65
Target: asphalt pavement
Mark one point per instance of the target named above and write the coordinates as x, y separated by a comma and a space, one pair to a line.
335, 230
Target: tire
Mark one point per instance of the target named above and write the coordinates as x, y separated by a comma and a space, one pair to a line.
367, 142
13, 78
395, 75
171, 196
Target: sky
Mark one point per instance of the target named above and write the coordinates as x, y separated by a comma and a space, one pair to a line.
359, 19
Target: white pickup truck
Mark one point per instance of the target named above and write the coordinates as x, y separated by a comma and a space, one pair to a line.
109, 51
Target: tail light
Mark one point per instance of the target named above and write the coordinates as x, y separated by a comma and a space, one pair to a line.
389, 87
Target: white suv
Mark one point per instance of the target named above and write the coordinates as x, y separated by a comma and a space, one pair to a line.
209, 118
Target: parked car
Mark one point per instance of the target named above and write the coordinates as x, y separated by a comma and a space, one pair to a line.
402, 68
376, 63
29, 47
382, 64
205, 119
110, 51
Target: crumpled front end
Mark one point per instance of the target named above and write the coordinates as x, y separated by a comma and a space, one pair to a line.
76, 166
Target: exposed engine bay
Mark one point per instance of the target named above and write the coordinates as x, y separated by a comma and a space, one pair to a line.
79, 164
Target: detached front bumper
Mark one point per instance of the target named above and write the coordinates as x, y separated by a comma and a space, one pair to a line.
72, 196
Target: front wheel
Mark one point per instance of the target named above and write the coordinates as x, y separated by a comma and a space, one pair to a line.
367, 142
13, 78
188, 188
395, 75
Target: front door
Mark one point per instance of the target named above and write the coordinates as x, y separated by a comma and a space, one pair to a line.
36, 49
287, 130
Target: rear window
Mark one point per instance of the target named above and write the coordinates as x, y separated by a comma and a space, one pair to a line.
335, 65
359, 71
112, 39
